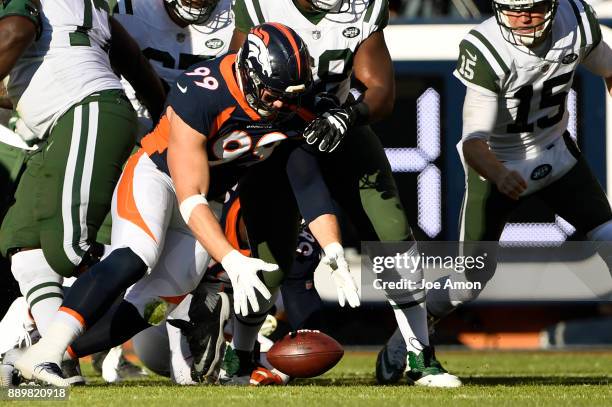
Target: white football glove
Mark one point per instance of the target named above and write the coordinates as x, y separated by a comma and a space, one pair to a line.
345, 285
242, 271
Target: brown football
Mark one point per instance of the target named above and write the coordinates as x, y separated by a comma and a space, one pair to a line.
305, 354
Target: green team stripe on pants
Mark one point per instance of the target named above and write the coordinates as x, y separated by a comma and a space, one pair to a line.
473, 214
77, 179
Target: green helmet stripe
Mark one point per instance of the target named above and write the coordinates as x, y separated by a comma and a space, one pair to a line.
242, 19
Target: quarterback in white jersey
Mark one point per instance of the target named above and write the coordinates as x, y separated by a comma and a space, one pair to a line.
173, 39
518, 68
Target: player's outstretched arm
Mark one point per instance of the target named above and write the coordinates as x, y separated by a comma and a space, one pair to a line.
188, 164
317, 208
17, 33
126, 57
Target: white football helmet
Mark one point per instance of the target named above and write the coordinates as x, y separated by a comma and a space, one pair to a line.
193, 11
524, 35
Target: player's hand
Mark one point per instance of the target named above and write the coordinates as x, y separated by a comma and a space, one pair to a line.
511, 184
328, 129
345, 285
242, 271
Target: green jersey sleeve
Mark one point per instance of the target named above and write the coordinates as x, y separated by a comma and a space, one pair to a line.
25, 8
242, 20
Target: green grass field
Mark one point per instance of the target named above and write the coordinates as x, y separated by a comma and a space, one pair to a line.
490, 378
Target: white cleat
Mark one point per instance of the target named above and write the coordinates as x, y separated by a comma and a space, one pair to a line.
439, 380
426, 370
110, 365
39, 365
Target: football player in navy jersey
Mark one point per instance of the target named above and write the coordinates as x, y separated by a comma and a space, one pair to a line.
221, 117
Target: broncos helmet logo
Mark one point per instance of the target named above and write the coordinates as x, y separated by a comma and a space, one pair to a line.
259, 52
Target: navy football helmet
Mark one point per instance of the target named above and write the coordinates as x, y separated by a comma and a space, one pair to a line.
273, 64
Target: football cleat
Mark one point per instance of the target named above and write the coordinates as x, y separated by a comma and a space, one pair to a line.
71, 370
37, 364
204, 334
249, 373
391, 360
425, 370
113, 366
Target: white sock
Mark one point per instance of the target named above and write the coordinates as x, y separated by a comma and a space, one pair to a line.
39, 284
412, 322
180, 356
64, 329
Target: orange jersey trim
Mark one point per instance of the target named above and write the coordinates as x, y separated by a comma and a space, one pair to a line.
226, 68
220, 120
126, 205
232, 219
157, 140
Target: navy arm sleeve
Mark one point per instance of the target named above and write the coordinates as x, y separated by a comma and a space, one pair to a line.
311, 193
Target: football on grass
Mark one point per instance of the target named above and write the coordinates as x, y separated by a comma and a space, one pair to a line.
305, 353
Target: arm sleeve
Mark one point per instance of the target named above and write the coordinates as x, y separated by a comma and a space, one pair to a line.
479, 115
311, 193
599, 61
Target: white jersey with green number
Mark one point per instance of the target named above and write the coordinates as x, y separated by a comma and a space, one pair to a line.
170, 48
531, 90
67, 63
332, 38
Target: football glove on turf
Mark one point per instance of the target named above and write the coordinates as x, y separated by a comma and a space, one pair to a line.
242, 271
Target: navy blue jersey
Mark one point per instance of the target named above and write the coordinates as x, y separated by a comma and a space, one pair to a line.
207, 98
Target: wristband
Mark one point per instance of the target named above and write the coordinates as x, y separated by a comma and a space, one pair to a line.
189, 204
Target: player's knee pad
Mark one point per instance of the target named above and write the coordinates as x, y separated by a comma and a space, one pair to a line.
34, 275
